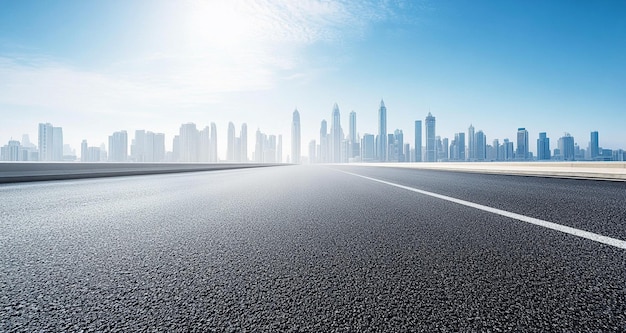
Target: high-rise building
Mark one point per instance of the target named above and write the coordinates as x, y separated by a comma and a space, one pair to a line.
213, 147
335, 135
567, 147
118, 147
230, 148
407, 152
296, 144
431, 150
496, 148
507, 152
279, 149
243, 135
594, 145
522, 144
471, 144
324, 145
381, 152
480, 146
138, 147
418, 141
265, 148
50, 148
189, 143
312, 148
397, 145
368, 148
543, 147
353, 141
204, 144
159, 147
11, 151
83, 151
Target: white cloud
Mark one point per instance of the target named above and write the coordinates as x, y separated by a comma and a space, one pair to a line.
220, 46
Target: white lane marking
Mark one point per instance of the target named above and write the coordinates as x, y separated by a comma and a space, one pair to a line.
550, 225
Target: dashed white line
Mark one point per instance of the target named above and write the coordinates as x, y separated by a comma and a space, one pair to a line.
546, 224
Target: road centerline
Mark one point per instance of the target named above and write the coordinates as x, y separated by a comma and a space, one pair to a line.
539, 222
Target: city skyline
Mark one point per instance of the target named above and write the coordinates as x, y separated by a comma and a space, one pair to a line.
195, 145
550, 67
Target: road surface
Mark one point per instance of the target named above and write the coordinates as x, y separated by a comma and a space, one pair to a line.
313, 249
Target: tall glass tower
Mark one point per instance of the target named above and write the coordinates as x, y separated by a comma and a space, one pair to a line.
335, 136
381, 151
418, 141
295, 138
522, 144
431, 150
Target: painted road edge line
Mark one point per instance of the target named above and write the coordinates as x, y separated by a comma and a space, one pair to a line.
546, 224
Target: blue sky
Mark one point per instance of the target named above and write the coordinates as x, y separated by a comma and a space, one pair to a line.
94, 67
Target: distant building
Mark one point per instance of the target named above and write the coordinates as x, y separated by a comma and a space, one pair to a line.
118, 147
431, 150
230, 148
397, 146
543, 147
296, 144
471, 144
566, 147
381, 151
335, 136
243, 143
352, 137
323, 156
312, 149
480, 146
594, 145
50, 142
368, 148
213, 146
189, 141
522, 144
418, 141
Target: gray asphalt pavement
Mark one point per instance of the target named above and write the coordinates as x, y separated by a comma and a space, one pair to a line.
309, 249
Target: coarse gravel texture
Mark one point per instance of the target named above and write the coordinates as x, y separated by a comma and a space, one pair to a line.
300, 249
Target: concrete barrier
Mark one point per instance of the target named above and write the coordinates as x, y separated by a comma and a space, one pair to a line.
15, 172
582, 170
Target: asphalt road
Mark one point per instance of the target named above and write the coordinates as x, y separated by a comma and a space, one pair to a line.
310, 249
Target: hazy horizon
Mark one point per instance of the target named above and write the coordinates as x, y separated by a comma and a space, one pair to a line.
98, 67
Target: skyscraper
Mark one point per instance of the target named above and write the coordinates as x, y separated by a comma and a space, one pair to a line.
295, 138
522, 144
335, 135
594, 146
45, 142
398, 146
566, 146
368, 148
471, 143
57, 144
213, 144
543, 147
381, 151
431, 152
324, 146
118, 147
279, 149
418, 141
230, 145
189, 143
480, 146
354, 143
204, 144
312, 148
243, 135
